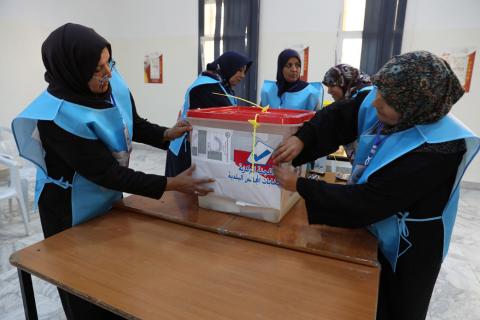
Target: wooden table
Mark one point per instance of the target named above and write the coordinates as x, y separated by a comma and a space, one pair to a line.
197, 264
293, 231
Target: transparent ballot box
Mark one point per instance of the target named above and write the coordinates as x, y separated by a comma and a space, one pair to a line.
234, 146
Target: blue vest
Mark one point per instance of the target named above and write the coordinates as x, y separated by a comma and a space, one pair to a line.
306, 99
176, 144
367, 119
392, 230
112, 126
367, 115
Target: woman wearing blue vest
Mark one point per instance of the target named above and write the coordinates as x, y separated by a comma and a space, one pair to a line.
221, 76
78, 133
405, 181
346, 82
289, 92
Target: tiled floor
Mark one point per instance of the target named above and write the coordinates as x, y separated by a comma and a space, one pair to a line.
456, 295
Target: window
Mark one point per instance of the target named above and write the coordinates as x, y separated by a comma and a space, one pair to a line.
350, 34
230, 25
382, 32
207, 41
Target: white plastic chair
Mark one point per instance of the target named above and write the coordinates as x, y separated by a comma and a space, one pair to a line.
8, 145
14, 188
26, 169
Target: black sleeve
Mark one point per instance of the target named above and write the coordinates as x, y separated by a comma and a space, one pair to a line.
402, 185
203, 96
147, 132
67, 153
331, 127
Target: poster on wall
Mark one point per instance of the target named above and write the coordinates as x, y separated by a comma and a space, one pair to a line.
461, 61
153, 68
303, 52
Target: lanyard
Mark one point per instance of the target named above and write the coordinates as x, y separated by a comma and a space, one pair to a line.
112, 100
376, 144
359, 168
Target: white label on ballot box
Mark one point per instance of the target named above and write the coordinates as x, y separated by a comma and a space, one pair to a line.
234, 178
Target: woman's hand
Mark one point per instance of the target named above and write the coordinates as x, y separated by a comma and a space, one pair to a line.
177, 130
184, 182
287, 150
286, 177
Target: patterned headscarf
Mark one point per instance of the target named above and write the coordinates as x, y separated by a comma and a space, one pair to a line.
420, 86
348, 78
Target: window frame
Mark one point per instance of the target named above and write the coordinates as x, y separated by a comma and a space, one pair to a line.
346, 35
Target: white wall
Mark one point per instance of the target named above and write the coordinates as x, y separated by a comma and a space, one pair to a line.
134, 28
436, 25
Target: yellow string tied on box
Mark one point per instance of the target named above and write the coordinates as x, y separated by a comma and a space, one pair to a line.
326, 103
255, 124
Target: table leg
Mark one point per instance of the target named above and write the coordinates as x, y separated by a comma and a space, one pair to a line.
28, 296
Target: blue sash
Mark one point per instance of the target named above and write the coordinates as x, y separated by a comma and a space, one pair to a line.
366, 119
367, 115
306, 99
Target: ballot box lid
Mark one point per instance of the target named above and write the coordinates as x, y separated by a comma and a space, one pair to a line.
235, 113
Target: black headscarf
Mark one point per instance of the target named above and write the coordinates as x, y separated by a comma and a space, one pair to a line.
228, 64
71, 54
282, 84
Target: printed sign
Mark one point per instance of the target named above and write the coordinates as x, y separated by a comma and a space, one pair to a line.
461, 60
153, 68
211, 144
261, 154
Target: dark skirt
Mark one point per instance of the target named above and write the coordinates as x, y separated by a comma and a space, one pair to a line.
405, 293
178, 164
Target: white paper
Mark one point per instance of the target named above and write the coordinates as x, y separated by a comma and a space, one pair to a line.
212, 144
226, 156
154, 67
240, 184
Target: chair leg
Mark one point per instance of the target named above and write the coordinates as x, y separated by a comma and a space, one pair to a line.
24, 183
24, 212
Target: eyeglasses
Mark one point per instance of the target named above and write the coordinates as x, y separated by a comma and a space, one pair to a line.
106, 72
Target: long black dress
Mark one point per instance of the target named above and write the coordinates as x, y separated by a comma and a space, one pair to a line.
67, 153
200, 97
419, 182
